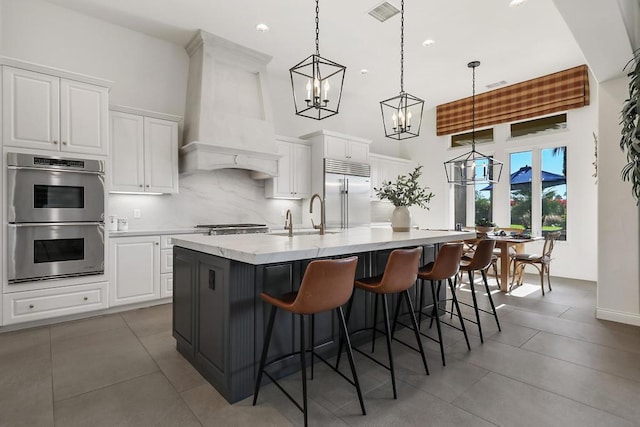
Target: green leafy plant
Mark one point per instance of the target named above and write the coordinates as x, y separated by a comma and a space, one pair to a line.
406, 191
630, 140
484, 222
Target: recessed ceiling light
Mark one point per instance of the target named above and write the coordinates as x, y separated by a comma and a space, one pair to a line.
428, 42
514, 3
364, 71
263, 28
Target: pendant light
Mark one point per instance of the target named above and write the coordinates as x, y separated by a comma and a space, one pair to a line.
402, 114
317, 83
473, 167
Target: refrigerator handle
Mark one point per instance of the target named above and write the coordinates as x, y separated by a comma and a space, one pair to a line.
346, 221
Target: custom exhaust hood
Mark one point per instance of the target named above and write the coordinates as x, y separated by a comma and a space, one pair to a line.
228, 118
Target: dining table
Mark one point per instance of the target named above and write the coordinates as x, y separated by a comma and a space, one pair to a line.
503, 243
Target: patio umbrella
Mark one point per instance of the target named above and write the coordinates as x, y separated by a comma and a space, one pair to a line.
522, 177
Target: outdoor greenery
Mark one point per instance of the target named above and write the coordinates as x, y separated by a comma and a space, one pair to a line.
406, 191
630, 140
483, 206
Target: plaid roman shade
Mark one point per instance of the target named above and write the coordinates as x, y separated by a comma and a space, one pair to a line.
548, 94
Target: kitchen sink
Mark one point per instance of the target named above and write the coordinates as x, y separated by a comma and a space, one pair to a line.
303, 232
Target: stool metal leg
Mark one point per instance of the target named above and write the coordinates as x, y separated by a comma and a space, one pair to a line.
345, 334
452, 286
475, 304
436, 314
375, 322
412, 314
493, 307
387, 330
303, 367
421, 306
313, 340
340, 341
265, 350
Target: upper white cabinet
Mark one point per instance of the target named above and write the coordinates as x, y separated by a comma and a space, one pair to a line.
144, 152
294, 170
346, 148
43, 111
386, 168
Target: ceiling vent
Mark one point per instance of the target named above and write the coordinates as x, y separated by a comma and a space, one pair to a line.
384, 11
496, 84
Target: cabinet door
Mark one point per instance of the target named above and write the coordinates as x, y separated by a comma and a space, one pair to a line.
166, 285
160, 155
358, 152
336, 148
135, 269
31, 109
282, 184
84, 114
301, 168
127, 157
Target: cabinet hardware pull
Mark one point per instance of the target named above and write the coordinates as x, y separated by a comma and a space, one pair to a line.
212, 280
157, 243
64, 142
55, 142
147, 185
85, 298
30, 305
140, 186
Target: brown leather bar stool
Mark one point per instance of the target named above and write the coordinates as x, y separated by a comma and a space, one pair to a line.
399, 275
480, 262
326, 285
445, 267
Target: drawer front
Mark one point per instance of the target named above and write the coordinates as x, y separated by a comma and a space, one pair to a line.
46, 303
166, 261
166, 285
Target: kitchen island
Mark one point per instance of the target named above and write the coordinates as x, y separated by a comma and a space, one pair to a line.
219, 318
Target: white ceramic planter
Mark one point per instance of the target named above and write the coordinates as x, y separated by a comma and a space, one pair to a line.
401, 219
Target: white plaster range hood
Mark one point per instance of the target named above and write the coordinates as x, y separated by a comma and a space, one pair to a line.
228, 118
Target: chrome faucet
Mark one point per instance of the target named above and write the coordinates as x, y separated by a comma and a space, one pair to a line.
288, 222
321, 225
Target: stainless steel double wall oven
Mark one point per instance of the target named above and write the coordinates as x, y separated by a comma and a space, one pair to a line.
55, 211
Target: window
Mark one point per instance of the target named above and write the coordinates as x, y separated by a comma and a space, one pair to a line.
462, 139
547, 183
483, 194
482, 198
520, 174
545, 124
553, 176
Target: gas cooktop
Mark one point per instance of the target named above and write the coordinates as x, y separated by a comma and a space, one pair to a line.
217, 229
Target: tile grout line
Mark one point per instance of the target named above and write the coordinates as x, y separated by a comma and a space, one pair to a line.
53, 403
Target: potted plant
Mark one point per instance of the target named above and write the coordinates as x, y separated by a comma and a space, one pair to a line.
630, 140
484, 226
404, 192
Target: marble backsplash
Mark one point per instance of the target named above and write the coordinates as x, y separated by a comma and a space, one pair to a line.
215, 197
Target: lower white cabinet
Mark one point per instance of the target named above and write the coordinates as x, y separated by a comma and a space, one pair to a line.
141, 268
135, 269
53, 302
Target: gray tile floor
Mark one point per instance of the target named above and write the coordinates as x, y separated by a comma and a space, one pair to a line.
553, 364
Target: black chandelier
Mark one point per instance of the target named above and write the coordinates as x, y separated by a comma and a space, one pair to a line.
310, 83
473, 167
398, 112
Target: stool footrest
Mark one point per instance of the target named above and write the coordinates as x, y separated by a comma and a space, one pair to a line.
371, 358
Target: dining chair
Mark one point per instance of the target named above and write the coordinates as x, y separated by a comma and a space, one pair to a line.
540, 262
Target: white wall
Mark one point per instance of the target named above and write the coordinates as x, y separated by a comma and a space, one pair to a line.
575, 258
618, 230
148, 73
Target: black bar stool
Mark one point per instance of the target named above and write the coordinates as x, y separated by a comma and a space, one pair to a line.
399, 275
445, 267
326, 285
480, 262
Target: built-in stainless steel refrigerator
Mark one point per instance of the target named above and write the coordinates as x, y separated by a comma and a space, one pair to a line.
347, 187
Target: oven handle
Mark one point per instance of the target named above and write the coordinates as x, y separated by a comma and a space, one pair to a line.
54, 170
48, 224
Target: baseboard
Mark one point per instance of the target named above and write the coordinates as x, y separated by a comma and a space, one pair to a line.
618, 316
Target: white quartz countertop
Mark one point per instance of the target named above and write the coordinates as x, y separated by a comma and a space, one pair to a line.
269, 248
157, 232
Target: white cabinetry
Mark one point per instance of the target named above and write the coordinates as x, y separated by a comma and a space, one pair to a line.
45, 303
346, 148
294, 170
144, 152
135, 269
386, 168
43, 111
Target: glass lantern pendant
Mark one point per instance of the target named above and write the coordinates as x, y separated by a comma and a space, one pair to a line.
402, 114
316, 83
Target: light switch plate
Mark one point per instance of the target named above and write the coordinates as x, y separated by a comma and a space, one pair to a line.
136, 213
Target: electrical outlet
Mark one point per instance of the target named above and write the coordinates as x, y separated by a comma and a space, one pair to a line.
136, 213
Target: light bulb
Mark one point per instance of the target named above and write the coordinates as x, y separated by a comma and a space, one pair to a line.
316, 87
326, 89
